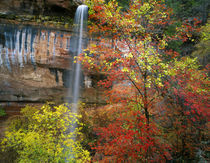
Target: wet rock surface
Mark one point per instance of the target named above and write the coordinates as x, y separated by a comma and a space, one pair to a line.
36, 65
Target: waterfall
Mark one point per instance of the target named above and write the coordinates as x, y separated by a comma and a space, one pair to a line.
78, 42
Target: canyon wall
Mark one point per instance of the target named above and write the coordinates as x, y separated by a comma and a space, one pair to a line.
40, 7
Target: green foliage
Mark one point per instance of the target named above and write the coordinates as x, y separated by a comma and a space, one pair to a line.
171, 31
123, 3
59, 21
202, 48
50, 134
175, 45
2, 112
185, 9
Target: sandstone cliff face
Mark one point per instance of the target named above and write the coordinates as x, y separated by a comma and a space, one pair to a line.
36, 66
32, 65
48, 7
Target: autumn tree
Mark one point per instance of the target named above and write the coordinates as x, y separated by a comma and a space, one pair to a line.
131, 48
185, 117
129, 51
132, 54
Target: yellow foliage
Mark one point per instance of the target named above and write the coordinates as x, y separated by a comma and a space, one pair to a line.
50, 135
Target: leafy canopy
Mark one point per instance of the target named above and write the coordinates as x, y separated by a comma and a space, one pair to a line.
145, 77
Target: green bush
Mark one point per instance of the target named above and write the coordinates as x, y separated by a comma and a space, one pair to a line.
2, 112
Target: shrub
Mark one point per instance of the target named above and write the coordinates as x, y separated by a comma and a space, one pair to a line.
50, 134
2, 112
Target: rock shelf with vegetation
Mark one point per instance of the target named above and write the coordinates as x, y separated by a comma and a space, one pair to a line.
59, 22
57, 14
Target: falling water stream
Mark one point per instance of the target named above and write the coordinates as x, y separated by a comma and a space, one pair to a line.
77, 43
